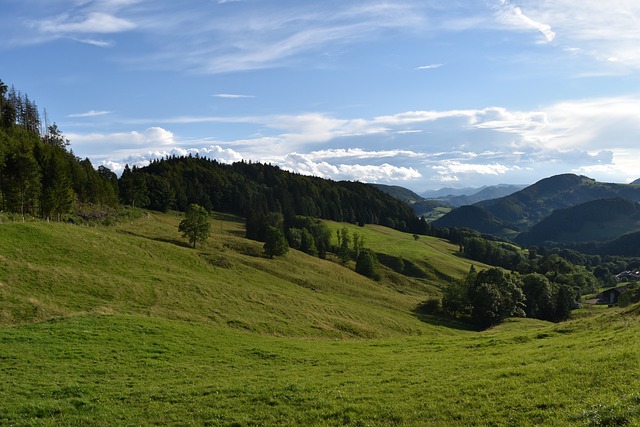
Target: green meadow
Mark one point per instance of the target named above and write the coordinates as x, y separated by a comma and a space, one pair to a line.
127, 325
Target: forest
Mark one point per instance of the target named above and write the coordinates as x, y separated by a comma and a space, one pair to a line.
39, 175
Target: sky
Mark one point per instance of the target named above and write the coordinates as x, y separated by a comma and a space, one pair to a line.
422, 94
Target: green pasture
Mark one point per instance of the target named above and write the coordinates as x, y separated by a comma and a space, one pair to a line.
127, 325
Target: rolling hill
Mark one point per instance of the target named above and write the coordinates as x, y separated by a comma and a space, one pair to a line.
475, 218
525, 208
434, 204
400, 193
596, 220
127, 325
73, 270
485, 193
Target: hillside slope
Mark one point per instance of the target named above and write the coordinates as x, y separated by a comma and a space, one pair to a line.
597, 220
475, 218
522, 209
144, 267
129, 326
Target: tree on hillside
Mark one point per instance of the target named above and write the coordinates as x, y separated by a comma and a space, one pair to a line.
133, 188
55, 137
21, 181
455, 298
195, 226
275, 243
367, 264
565, 301
494, 296
56, 196
539, 294
344, 239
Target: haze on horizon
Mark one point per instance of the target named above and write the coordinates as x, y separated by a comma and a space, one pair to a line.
421, 94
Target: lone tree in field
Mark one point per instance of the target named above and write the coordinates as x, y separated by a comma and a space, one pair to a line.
195, 226
275, 243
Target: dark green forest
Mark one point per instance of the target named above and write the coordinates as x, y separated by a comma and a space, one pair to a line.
39, 175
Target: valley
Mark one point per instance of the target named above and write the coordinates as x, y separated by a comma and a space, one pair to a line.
126, 324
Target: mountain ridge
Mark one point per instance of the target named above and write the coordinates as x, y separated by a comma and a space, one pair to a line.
529, 206
595, 220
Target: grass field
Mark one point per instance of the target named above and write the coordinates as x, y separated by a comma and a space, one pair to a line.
128, 326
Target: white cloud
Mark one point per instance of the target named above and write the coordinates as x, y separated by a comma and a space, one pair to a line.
268, 35
94, 22
513, 16
607, 31
429, 67
598, 135
91, 113
141, 159
450, 171
232, 96
358, 153
366, 173
100, 143
94, 42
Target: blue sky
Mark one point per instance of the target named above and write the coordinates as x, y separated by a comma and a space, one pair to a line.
423, 94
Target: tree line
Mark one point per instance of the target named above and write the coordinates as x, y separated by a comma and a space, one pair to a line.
39, 176
488, 297
256, 190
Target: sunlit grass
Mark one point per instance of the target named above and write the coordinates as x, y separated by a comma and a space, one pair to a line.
103, 370
129, 326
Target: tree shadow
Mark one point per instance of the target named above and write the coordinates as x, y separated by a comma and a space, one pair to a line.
230, 218
176, 242
428, 312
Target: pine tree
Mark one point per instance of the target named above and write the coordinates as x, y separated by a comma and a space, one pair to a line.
56, 197
21, 181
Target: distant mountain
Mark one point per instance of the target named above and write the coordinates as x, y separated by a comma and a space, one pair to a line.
475, 218
429, 209
399, 193
524, 208
486, 193
596, 220
447, 192
534, 203
636, 182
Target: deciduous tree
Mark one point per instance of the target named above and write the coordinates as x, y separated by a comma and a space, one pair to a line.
275, 243
195, 226
367, 264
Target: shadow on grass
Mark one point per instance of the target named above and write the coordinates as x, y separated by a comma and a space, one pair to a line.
229, 218
176, 242
430, 313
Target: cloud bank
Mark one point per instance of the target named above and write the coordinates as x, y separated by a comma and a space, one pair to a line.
593, 136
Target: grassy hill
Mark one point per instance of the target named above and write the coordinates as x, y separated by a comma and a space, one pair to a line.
128, 326
145, 268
